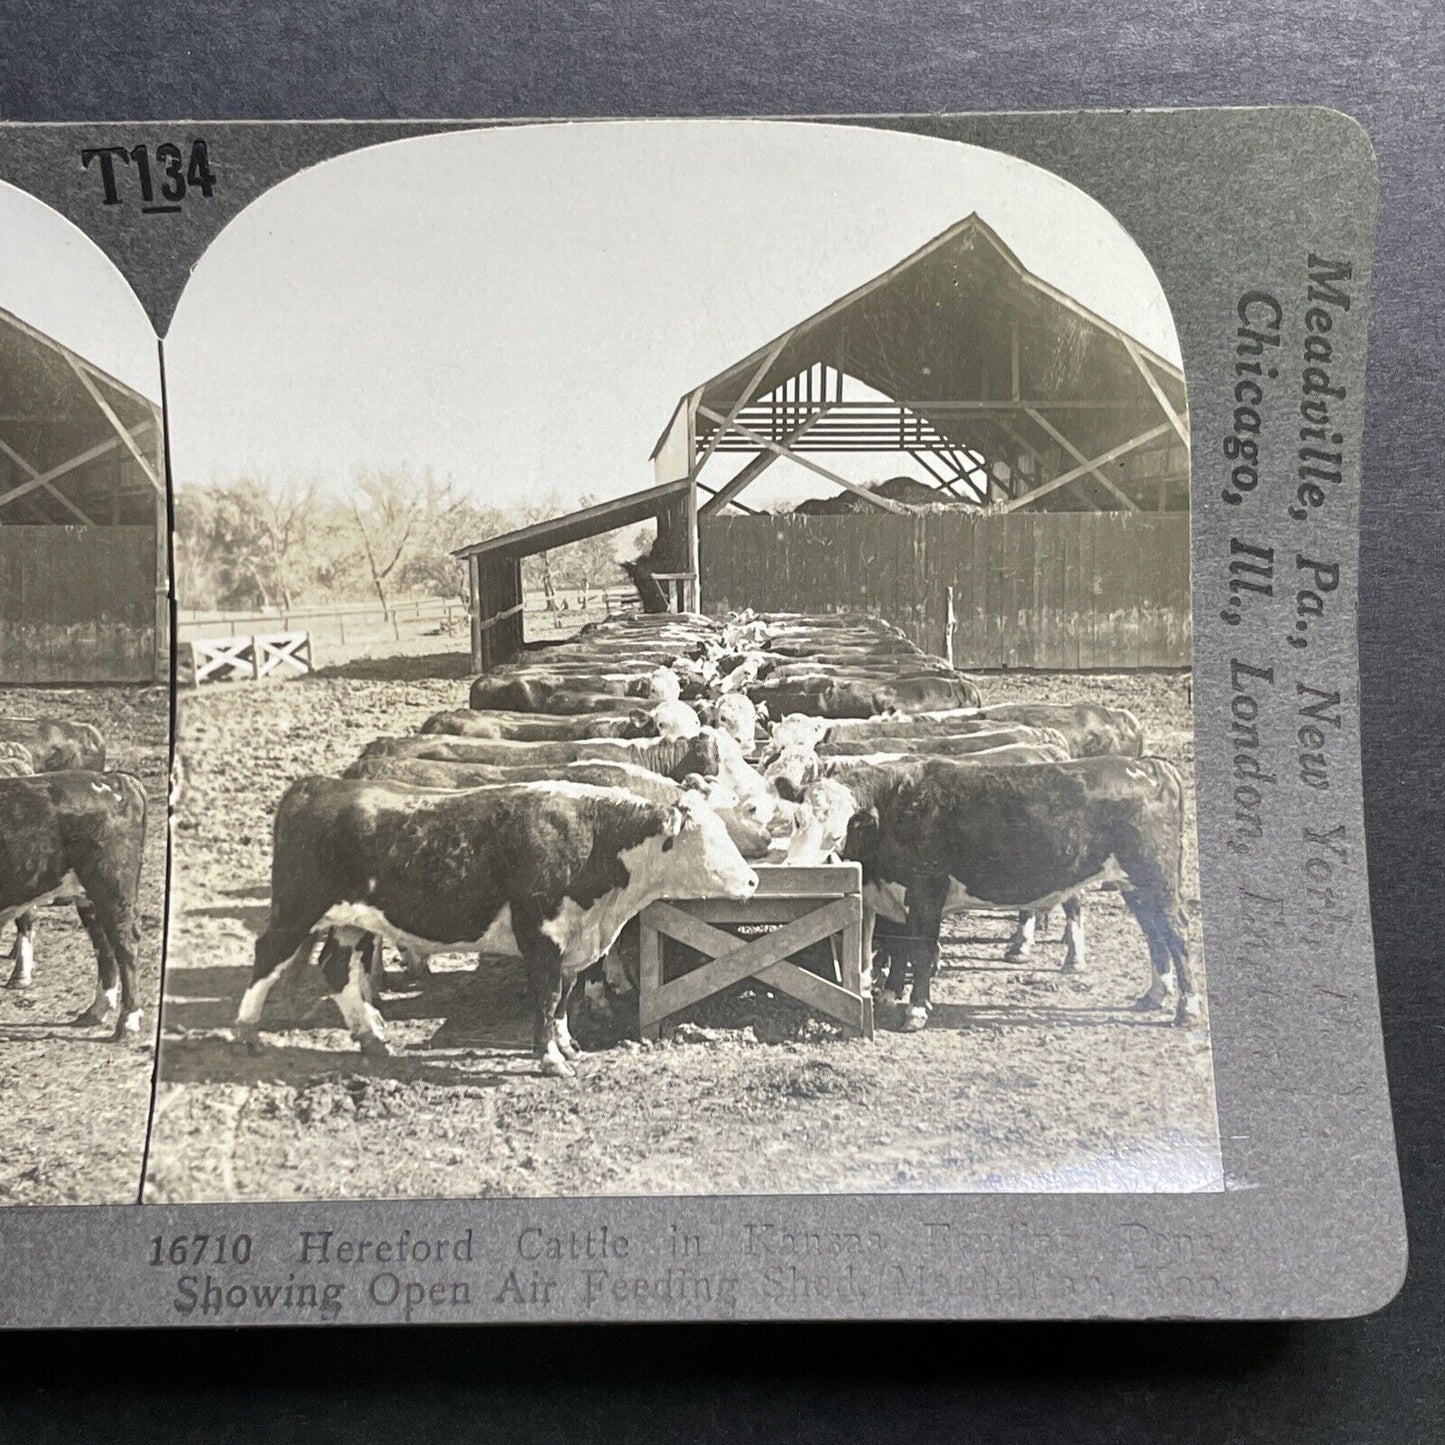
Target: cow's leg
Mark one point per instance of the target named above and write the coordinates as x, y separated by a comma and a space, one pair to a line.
1022, 942
548, 992
1161, 992
112, 896
343, 965
895, 950
1175, 927
107, 972
1073, 934
925, 919
870, 921
416, 966
562, 1028
276, 947
23, 953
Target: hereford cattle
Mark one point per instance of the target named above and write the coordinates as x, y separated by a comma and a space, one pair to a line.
736, 715
536, 727
789, 772
740, 817
55, 745
942, 835
676, 757
545, 872
79, 829
863, 699
1092, 731
946, 745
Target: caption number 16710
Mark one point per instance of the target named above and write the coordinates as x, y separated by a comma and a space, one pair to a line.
160, 179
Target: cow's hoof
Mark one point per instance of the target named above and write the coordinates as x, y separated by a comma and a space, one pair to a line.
247, 1038
915, 1019
554, 1066
18, 980
1189, 1012
89, 1019
373, 1047
1016, 955
1148, 1002
890, 1001
127, 1028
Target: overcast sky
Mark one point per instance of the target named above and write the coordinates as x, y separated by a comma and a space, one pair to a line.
520, 309
56, 278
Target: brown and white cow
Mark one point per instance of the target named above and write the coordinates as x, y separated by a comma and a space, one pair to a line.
545, 872
79, 831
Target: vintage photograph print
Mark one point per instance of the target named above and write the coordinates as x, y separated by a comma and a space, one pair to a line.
672, 700
84, 714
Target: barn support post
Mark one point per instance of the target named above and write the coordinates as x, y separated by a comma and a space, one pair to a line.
474, 613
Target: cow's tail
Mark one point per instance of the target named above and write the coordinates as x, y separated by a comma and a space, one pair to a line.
1135, 732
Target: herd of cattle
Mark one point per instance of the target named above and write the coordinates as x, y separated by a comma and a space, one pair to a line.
71, 830
666, 756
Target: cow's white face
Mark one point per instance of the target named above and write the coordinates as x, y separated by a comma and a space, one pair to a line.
699, 859
822, 822
799, 731
735, 714
795, 766
662, 684
676, 720
738, 774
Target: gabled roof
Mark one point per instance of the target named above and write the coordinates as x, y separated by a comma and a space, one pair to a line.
936, 333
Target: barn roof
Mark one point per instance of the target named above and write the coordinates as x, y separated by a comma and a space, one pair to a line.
577, 526
77, 445
961, 335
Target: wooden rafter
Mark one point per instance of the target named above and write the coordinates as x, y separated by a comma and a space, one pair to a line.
44, 479
750, 473
1045, 425
1090, 465
882, 503
38, 479
1175, 420
122, 431
743, 398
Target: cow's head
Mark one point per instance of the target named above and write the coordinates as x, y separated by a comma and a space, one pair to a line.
790, 771
799, 731
675, 720
699, 856
699, 754
734, 714
822, 821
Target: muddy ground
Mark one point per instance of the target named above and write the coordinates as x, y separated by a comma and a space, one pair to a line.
1025, 1079
73, 1105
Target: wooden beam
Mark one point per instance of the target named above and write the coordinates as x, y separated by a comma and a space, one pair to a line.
122, 431
743, 398
1175, 420
43, 479
38, 480
1082, 471
1058, 436
882, 503
749, 474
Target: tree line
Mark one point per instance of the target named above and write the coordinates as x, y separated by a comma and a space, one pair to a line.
260, 545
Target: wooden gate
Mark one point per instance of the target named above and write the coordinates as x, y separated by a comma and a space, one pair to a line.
1054, 591
78, 604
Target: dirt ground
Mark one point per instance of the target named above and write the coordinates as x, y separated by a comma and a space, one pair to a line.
1026, 1079
73, 1105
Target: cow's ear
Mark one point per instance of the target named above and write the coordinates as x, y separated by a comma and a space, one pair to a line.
862, 837
786, 789
672, 824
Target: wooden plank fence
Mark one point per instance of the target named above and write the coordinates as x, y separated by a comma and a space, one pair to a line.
1053, 591
228, 659
79, 604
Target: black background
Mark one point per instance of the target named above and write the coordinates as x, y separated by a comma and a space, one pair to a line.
1372, 1380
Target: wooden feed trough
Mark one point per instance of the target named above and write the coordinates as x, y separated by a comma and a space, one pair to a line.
807, 905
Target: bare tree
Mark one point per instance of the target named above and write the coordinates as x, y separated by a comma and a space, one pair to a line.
396, 505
